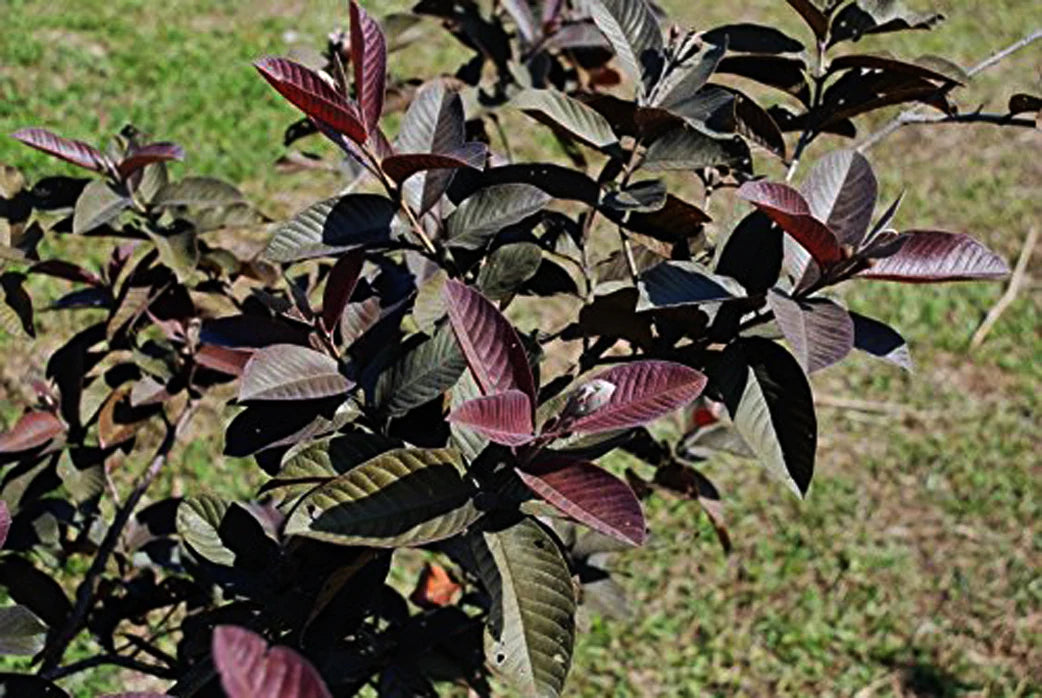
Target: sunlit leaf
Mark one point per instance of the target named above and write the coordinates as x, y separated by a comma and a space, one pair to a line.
33, 429
310, 93
140, 156
686, 148
841, 191
401, 498
333, 226
198, 523
21, 632
928, 256
98, 205
631, 28
531, 625
369, 61
291, 372
792, 213
505, 418
491, 209
819, 331
589, 494
76, 152
568, 113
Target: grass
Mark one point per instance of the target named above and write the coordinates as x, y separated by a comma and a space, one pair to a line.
912, 569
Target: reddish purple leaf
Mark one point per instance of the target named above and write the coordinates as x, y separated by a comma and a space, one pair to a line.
136, 694
222, 359
5, 522
932, 255
488, 341
401, 167
644, 391
76, 152
792, 213
590, 495
339, 286
306, 90
32, 430
250, 669
147, 154
820, 332
505, 418
369, 59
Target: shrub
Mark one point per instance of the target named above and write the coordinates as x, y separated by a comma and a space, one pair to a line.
378, 383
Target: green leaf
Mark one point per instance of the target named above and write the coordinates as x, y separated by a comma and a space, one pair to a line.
769, 399
490, 210
97, 205
531, 625
198, 522
508, 267
568, 113
333, 226
429, 306
689, 149
634, 33
308, 465
404, 497
178, 250
21, 632
421, 375
198, 192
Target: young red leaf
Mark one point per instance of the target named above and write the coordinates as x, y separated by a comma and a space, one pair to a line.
223, 359
435, 587
32, 430
5, 522
505, 418
820, 332
147, 154
488, 341
590, 495
792, 213
339, 286
644, 391
932, 255
76, 152
250, 669
306, 90
369, 59
401, 167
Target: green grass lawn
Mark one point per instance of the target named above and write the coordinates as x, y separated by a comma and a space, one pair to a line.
914, 567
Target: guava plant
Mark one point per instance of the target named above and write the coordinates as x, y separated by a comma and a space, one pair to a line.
368, 366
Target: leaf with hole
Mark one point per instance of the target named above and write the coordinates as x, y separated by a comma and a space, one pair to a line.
769, 399
250, 669
291, 372
530, 630
405, 497
505, 418
333, 226
589, 494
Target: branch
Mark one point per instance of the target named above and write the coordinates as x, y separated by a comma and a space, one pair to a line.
911, 116
1015, 283
85, 592
114, 660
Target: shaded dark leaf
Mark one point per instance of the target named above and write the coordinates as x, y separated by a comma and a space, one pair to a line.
671, 284
490, 344
423, 374
687, 148
291, 372
140, 156
819, 332
646, 196
505, 418
401, 167
590, 495
1024, 104
881, 340
76, 152
557, 181
5, 522
28, 685
251, 331
752, 38
250, 669
34, 589
753, 253
507, 268
769, 399
888, 63
333, 226
309, 92
877, 17
781, 72
340, 284
928, 256
812, 15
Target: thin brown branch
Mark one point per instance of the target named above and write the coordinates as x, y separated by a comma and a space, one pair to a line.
910, 116
1016, 282
111, 660
85, 592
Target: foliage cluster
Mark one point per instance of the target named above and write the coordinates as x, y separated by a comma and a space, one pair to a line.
376, 379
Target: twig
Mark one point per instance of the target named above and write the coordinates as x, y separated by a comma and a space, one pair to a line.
55, 650
114, 660
908, 117
890, 409
1016, 281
